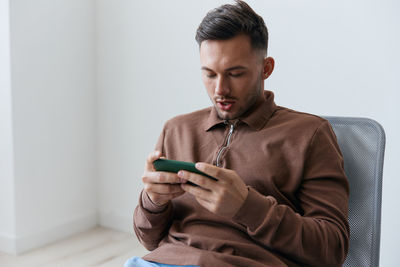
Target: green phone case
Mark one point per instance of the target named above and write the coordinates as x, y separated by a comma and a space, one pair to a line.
169, 165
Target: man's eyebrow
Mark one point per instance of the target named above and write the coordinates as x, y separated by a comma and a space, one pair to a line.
205, 68
228, 69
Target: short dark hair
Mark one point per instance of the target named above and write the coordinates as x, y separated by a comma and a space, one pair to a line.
228, 21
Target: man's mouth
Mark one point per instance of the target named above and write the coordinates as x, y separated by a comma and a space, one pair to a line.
225, 105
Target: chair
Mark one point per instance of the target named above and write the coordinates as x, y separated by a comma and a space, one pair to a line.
362, 142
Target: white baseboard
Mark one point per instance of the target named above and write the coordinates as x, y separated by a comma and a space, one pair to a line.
7, 244
120, 222
20, 244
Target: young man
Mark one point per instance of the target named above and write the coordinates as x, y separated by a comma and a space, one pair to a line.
281, 195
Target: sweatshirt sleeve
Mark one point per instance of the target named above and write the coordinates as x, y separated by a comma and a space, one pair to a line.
150, 221
318, 235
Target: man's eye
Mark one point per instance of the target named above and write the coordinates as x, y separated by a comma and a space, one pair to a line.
210, 75
236, 74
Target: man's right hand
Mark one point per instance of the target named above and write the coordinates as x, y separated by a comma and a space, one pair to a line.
161, 187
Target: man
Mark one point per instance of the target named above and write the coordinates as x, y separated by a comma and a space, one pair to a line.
281, 195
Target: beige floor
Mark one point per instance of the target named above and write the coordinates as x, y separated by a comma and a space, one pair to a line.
96, 247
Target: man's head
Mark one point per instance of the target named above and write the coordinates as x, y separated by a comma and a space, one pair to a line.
233, 43
228, 21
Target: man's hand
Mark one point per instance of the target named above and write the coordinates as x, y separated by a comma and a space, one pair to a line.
223, 197
161, 187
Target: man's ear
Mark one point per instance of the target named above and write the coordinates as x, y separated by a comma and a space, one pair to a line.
269, 64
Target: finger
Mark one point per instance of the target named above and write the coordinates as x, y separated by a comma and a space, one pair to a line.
197, 192
163, 199
198, 179
214, 171
163, 189
150, 159
161, 178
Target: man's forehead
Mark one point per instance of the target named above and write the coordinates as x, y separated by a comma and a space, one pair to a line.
225, 62
226, 53
240, 43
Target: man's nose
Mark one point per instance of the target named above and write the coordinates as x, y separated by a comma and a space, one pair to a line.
222, 86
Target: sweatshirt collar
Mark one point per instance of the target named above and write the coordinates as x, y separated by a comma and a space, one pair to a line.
256, 117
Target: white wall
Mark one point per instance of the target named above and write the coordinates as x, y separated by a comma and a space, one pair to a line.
7, 214
332, 58
53, 105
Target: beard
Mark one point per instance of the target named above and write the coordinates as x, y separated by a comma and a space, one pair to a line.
251, 99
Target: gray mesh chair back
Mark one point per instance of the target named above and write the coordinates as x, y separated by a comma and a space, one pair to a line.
362, 142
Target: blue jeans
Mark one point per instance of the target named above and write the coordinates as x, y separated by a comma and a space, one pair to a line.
139, 262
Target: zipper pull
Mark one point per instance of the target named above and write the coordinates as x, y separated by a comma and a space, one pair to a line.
226, 144
230, 134
231, 129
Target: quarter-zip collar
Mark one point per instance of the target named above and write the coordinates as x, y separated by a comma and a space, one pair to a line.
256, 117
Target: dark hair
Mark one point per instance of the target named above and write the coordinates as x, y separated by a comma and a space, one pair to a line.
228, 21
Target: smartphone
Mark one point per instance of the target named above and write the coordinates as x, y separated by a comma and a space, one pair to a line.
169, 165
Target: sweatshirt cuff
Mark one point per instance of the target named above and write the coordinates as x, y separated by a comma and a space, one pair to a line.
149, 205
254, 209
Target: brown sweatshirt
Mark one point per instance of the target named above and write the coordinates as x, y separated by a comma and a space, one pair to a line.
296, 210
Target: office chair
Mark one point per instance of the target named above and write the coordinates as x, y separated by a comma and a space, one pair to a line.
362, 142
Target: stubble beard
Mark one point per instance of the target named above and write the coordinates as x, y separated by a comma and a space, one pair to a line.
251, 100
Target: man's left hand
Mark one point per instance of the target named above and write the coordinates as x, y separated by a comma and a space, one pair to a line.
223, 197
